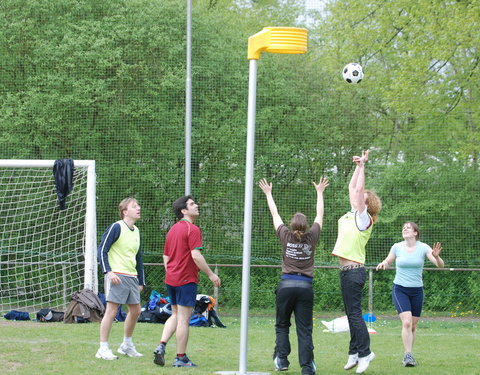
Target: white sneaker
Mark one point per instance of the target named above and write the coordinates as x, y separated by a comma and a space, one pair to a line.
364, 362
105, 353
352, 361
129, 350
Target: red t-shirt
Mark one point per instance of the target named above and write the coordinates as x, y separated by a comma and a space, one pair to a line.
182, 238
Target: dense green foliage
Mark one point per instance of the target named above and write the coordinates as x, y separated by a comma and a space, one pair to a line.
105, 81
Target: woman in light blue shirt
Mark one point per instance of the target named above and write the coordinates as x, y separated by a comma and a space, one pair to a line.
407, 292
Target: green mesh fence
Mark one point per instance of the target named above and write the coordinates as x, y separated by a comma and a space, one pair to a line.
105, 81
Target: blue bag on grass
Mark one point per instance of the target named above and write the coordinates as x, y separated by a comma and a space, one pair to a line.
17, 315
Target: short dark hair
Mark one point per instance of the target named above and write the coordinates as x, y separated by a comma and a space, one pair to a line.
181, 204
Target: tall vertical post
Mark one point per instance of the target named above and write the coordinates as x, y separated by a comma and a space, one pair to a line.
188, 103
91, 266
247, 218
274, 40
370, 291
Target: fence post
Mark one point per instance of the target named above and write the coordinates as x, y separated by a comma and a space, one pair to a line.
215, 291
370, 291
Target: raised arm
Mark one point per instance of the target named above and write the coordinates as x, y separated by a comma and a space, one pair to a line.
320, 188
434, 255
267, 190
356, 187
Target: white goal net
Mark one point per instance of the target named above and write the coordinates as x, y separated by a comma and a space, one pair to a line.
46, 253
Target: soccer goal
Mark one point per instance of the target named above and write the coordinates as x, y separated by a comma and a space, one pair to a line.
46, 253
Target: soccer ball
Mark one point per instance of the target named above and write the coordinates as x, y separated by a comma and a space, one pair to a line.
353, 73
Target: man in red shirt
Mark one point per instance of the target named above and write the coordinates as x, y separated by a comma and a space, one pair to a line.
183, 259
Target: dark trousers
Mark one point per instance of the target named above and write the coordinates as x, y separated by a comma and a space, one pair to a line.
295, 296
352, 283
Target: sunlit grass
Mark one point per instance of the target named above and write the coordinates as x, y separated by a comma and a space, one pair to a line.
446, 346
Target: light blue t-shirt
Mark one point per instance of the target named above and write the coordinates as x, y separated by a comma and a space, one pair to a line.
409, 265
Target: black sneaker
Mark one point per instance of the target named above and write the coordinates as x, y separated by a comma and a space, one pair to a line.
408, 360
159, 353
183, 361
281, 364
309, 369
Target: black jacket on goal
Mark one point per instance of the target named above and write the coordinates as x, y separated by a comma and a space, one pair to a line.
63, 173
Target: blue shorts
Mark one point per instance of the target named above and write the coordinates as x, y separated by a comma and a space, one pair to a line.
184, 295
408, 299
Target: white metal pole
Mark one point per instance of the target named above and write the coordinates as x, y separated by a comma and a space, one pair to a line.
91, 266
188, 103
247, 227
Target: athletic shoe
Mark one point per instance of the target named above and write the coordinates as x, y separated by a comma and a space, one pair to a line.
364, 362
309, 369
159, 353
408, 360
129, 350
105, 353
281, 364
352, 361
183, 361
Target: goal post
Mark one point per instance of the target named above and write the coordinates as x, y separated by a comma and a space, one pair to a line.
46, 253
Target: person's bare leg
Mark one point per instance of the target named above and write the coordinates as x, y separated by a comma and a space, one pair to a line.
131, 319
407, 334
183, 324
170, 325
107, 321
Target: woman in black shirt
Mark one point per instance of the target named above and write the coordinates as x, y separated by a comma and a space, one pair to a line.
294, 293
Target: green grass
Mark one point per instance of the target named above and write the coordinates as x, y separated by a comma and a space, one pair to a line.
446, 346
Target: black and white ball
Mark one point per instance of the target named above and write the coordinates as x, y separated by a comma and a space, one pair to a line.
353, 73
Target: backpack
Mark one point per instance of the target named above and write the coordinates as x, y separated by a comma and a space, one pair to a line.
198, 320
156, 299
148, 316
17, 315
84, 307
48, 315
158, 315
205, 306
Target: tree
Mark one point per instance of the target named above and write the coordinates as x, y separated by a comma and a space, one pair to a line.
422, 63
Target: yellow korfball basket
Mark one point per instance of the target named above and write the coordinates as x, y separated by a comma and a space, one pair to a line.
277, 40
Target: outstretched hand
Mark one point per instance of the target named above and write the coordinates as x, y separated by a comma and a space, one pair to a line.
361, 160
320, 187
437, 248
265, 186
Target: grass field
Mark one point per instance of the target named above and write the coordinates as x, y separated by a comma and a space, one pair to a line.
447, 346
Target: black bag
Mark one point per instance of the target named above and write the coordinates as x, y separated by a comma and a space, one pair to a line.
148, 316
48, 315
163, 312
